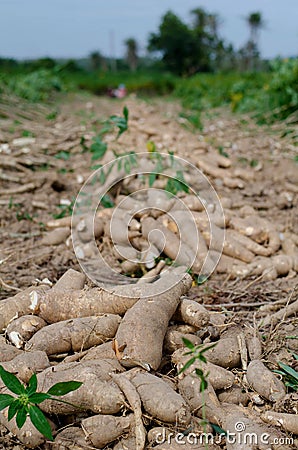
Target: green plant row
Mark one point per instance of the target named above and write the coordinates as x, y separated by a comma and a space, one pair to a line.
269, 96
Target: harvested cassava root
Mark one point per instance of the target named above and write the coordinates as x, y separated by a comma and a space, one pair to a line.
123, 362
75, 334
140, 335
189, 229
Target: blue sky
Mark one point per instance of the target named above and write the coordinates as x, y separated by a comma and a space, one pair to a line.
74, 28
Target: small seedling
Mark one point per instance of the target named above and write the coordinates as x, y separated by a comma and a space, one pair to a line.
65, 155
27, 133
23, 216
99, 147
196, 353
20, 214
27, 399
222, 152
52, 115
193, 119
199, 279
254, 163
65, 210
116, 121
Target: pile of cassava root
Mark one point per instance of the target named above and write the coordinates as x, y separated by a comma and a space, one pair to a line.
244, 243
126, 347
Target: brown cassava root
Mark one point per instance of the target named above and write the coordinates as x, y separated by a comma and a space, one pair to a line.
75, 334
141, 333
98, 392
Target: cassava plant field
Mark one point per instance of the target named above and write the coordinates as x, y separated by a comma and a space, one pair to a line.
148, 261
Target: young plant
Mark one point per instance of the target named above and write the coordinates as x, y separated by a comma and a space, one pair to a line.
116, 121
63, 154
99, 147
196, 353
65, 210
27, 399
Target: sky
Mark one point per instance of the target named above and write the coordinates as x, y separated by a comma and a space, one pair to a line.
74, 28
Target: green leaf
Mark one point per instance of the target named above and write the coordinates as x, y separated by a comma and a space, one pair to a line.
289, 370
64, 387
222, 152
11, 382
171, 154
152, 178
96, 166
39, 397
125, 113
199, 372
175, 185
21, 417
188, 344
127, 166
254, 163
40, 422
32, 385
14, 407
102, 177
132, 159
5, 400
187, 365
106, 201
280, 372
293, 386
203, 385
218, 429
106, 129
63, 155
98, 148
119, 122
201, 279
159, 167
202, 358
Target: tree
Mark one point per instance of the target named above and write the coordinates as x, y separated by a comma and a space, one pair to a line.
187, 49
176, 43
255, 23
209, 46
132, 53
96, 60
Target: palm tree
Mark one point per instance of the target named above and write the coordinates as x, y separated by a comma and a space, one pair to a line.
255, 23
131, 53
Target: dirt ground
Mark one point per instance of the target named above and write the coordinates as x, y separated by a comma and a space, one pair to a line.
36, 185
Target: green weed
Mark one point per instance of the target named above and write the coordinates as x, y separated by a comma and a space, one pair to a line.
25, 404
197, 355
290, 376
